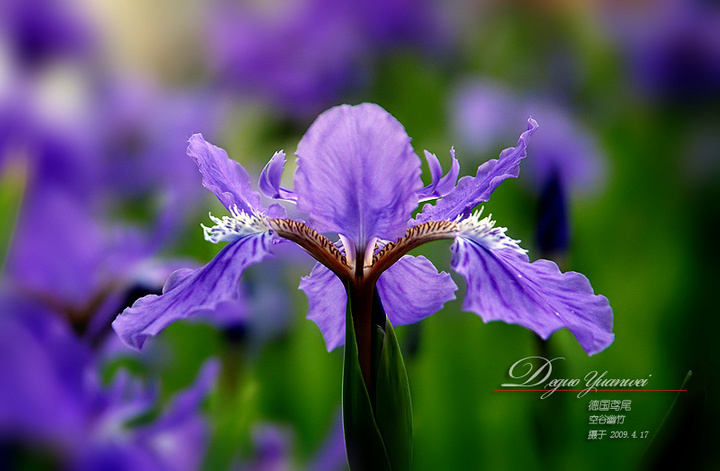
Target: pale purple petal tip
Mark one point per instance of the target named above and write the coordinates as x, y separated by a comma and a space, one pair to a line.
440, 185
503, 285
412, 289
357, 174
190, 292
270, 177
327, 301
226, 178
470, 191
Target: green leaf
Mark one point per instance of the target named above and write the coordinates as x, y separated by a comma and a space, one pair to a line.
393, 406
12, 185
377, 436
363, 442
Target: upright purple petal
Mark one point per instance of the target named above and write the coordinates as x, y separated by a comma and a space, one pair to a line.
191, 293
412, 289
226, 178
440, 185
270, 179
503, 285
470, 191
327, 301
357, 174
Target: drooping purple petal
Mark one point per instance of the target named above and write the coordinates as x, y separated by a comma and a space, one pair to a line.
470, 191
176, 278
202, 290
270, 179
327, 301
503, 285
226, 178
440, 185
412, 289
357, 174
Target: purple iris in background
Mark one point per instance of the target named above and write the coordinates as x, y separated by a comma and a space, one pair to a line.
359, 177
566, 159
86, 169
302, 55
52, 403
273, 446
672, 47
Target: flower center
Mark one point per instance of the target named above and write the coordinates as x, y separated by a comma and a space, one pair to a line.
373, 262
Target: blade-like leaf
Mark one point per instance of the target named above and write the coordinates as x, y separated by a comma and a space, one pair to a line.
393, 406
379, 435
363, 442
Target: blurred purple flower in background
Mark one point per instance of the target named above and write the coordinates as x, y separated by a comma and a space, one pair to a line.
52, 403
302, 55
359, 177
566, 160
273, 450
671, 47
38, 31
139, 126
79, 171
481, 122
85, 270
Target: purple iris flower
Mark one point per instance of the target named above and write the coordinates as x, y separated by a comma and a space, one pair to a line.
39, 30
359, 177
302, 55
672, 47
298, 59
78, 165
52, 402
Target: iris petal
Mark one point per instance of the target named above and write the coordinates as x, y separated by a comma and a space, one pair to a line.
270, 179
410, 290
226, 178
440, 185
503, 285
357, 174
192, 292
327, 301
470, 191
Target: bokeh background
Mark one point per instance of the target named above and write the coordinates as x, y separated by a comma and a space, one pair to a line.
99, 203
